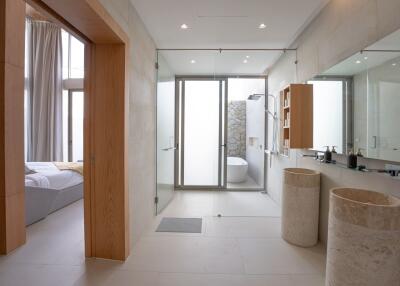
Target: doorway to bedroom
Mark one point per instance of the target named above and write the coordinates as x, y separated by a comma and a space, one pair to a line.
54, 130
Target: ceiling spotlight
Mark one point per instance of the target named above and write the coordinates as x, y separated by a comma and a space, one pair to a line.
358, 62
394, 64
262, 26
192, 61
245, 61
184, 27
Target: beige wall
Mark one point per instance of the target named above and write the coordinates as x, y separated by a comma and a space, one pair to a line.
341, 29
141, 141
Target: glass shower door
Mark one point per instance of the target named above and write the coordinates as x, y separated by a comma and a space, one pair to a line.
165, 135
201, 134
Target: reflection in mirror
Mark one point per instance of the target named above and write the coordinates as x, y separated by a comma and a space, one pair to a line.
366, 119
331, 102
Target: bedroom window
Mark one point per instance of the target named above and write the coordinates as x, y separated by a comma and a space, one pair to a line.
73, 100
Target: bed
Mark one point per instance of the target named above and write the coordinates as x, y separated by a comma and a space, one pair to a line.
48, 189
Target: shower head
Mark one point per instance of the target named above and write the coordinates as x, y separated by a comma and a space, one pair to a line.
255, 96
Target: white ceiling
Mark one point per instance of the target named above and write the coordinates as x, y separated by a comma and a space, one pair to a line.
227, 23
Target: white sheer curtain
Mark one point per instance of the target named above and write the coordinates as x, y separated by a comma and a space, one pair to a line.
44, 92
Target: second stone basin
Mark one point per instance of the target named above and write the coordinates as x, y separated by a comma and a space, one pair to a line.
365, 198
363, 238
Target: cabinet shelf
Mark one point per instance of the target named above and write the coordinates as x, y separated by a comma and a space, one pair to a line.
296, 107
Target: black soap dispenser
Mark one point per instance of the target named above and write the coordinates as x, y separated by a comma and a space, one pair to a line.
352, 160
328, 155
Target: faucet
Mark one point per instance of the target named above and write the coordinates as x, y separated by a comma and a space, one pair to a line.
316, 155
391, 172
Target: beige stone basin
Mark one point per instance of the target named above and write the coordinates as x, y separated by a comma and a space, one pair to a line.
300, 206
363, 238
301, 171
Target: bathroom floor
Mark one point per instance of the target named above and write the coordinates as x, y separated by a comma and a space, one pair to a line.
241, 248
249, 183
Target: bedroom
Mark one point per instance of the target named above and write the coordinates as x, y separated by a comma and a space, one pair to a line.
53, 118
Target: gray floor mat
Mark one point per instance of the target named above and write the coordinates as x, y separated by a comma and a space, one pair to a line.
186, 225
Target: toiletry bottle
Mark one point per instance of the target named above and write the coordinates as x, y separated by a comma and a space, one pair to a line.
334, 153
352, 160
328, 155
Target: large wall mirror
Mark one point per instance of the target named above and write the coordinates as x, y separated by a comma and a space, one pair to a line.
357, 102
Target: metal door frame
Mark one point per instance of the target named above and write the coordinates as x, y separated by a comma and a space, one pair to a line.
179, 138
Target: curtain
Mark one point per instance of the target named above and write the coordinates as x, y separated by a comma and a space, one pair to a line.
44, 92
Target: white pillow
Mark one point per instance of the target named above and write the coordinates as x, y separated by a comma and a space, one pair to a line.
28, 170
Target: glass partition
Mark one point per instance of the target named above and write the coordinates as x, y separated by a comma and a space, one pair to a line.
220, 119
165, 134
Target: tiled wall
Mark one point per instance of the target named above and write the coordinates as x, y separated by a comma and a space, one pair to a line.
341, 29
141, 141
237, 129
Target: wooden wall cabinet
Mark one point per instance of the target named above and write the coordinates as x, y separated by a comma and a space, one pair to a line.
296, 117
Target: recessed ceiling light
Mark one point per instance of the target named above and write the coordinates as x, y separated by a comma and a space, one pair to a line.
394, 64
184, 27
192, 61
262, 26
245, 61
358, 62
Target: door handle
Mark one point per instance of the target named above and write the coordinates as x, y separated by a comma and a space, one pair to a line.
168, 149
223, 145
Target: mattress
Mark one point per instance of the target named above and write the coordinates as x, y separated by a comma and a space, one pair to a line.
49, 189
56, 179
40, 202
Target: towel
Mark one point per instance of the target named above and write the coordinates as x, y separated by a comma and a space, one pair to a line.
72, 166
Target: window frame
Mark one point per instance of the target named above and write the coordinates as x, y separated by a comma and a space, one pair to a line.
348, 97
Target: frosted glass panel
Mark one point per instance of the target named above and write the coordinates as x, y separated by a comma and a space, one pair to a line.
77, 126
65, 125
201, 133
77, 58
328, 126
165, 142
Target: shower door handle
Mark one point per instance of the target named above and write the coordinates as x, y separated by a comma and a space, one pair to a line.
223, 145
169, 148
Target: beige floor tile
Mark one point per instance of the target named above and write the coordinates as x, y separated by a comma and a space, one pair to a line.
186, 255
179, 279
308, 280
275, 256
243, 227
241, 248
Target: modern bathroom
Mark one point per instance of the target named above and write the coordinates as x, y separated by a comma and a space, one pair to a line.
319, 148
229, 143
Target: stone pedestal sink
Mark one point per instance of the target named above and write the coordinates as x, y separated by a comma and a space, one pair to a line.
363, 239
300, 206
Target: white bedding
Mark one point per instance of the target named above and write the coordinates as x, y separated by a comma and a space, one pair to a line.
56, 179
37, 180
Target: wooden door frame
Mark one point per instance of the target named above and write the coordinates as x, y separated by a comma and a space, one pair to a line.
106, 209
